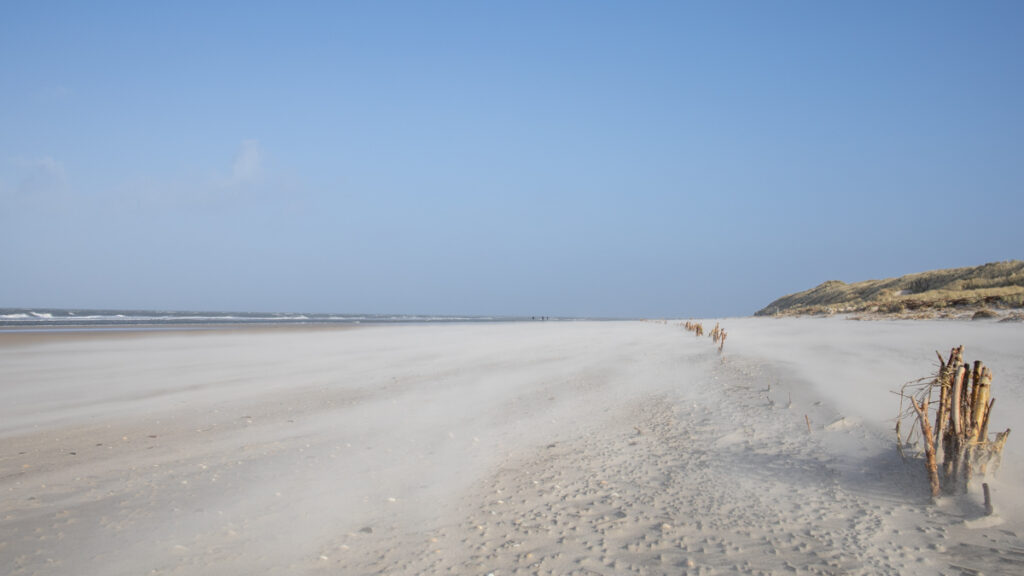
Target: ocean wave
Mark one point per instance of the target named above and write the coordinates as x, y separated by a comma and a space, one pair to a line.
23, 317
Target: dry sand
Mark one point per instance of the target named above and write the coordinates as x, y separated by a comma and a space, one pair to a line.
535, 448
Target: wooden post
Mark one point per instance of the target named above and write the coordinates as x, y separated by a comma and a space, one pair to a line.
965, 401
979, 369
929, 451
956, 356
899, 441
957, 404
988, 500
945, 391
952, 464
980, 404
966, 465
983, 433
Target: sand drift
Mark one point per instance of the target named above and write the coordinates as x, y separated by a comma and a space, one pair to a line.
521, 448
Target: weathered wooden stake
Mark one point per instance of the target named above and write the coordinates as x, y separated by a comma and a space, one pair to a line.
929, 449
972, 399
945, 391
899, 442
983, 434
952, 464
979, 405
989, 509
958, 381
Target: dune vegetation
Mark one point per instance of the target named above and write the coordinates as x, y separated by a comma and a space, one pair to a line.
938, 293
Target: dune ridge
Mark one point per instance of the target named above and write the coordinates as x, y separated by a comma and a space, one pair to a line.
950, 292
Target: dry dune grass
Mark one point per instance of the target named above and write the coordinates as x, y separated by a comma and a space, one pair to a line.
997, 284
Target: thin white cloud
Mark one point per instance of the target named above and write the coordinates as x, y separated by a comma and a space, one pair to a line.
240, 181
30, 185
40, 176
248, 165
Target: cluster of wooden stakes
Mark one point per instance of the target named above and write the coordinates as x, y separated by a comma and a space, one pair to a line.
960, 431
717, 334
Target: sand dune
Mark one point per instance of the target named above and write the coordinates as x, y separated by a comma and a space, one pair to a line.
547, 448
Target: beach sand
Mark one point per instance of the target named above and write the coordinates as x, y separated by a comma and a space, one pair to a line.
519, 448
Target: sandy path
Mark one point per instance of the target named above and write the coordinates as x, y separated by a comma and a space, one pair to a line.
608, 448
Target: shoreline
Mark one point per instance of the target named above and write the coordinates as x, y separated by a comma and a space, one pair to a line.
28, 336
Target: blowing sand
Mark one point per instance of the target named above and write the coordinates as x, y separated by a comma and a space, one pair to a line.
534, 448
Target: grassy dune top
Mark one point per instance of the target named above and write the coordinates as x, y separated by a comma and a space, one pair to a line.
939, 293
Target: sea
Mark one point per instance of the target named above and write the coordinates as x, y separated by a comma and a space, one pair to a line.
84, 319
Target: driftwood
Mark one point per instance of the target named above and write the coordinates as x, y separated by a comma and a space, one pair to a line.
960, 433
717, 334
929, 446
696, 327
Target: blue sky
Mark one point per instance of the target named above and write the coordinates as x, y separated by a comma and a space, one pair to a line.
557, 158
